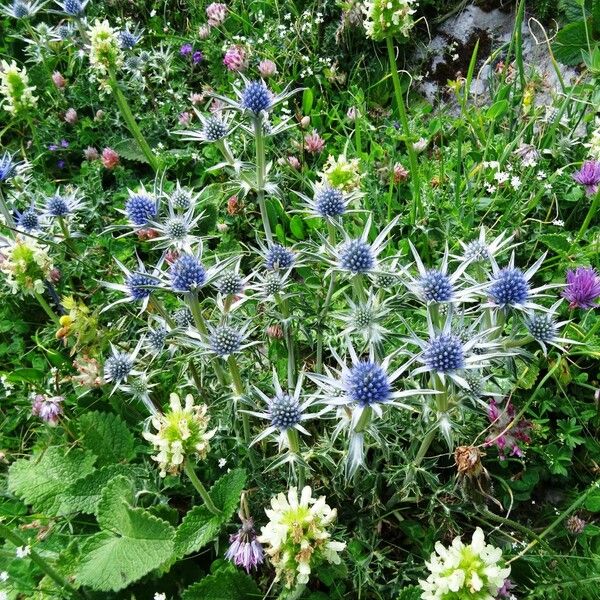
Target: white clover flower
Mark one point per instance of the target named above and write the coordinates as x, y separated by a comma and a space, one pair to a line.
14, 86
181, 431
472, 572
105, 48
296, 535
384, 18
26, 264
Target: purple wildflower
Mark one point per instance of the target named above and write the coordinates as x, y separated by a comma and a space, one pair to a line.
52, 147
504, 435
48, 409
583, 288
186, 50
589, 176
60, 164
245, 550
197, 57
64, 143
504, 591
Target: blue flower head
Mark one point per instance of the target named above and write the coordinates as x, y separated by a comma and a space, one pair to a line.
57, 206
330, 202
436, 286
156, 338
368, 384
225, 340
127, 39
356, 256
278, 257
509, 287
284, 411
230, 284
140, 208
256, 97
140, 285
20, 10
214, 129
445, 354
187, 274
183, 317
28, 220
181, 198
73, 7
542, 327
7, 167
117, 367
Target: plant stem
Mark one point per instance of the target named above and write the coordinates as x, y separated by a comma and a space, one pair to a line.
8, 219
289, 342
259, 139
132, 124
324, 310
47, 309
238, 388
40, 562
194, 304
210, 505
416, 208
588, 218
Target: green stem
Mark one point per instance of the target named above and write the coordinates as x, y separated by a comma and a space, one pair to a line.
359, 291
259, 139
325, 309
588, 218
62, 583
238, 388
194, 304
47, 309
416, 208
8, 219
289, 342
210, 505
131, 123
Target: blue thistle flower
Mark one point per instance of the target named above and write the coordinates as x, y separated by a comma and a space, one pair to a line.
57, 206
20, 10
156, 338
176, 228
183, 317
330, 202
140, 285
509, 287
278, 257
436, 286
140, 208
256, 97
181, 198
284, 411
187, 274
28, 220
117, 367
73, 7
230, 284
356, 256
214, 129
445, 354
8, 167
127, 39
225, 340
542, 327
368, 384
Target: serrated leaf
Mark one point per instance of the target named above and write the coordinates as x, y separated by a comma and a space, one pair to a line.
107, 436
592, 502
527, 374
410, 593
133, 542
84, 495
223, 585
42, 479
199, 527
570, 41
130, 150
556, 242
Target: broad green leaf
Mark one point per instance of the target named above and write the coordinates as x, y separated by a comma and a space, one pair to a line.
570, 41
297, 227
556, 242
224, 585
107, 436
27, 375
410, 593
497, 109
42, 479
307, 101
133, 542
199, 527
592, 502
527, 374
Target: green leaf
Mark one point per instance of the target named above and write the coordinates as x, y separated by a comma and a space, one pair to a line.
592, 502
307, 101
556, 242
410, 593
26, 375
570, 41
42, 479
84, 495
130, 150
527, 374
107, 436
133, 542
497, 109
297, 227
199, 527
223, 585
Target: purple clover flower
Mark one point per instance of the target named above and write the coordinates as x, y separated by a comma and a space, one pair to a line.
48, 409
589, 176
197, 57
245, 550
583, 288
503, 437
186, 50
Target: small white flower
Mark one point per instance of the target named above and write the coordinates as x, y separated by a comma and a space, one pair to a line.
23, 551
501, 177
222, 462
515, 182
3, 576
160, 596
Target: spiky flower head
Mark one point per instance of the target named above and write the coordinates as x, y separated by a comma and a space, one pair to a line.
14, 87
436, 286
187, 274
476, 251
27, 266
117, 367
156, 338
388, 18
273, 284
105, 48
445, 353
330, 202
140, 285
57, 206
284, 411
278, 257
215, 129
583, 288
367, 383
297, 539
183, 317
230, 284
341, 173
256, 97
140, 208
22, 9
245, 550
225, 340
589, 176
73, 8
509, 287
542, 327
28, 220
181, 198
460, 572
356, 257
181, 432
